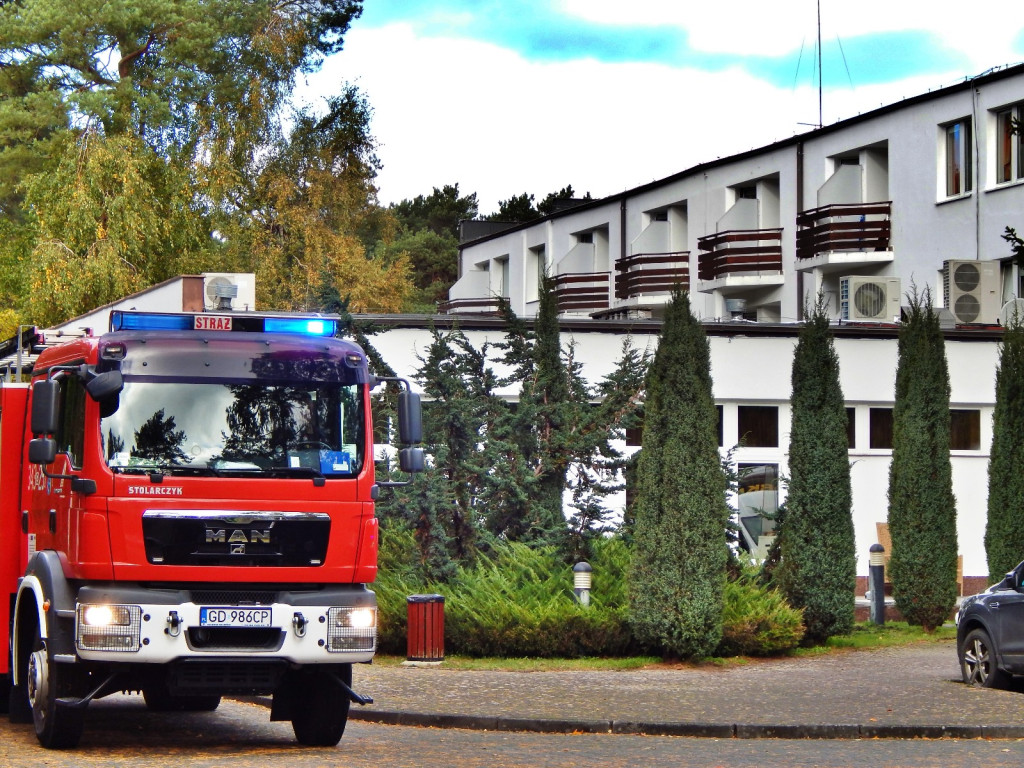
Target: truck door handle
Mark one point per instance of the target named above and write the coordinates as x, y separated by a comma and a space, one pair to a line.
53, 521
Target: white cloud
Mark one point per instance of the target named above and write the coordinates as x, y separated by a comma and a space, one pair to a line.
776, 28
452, 110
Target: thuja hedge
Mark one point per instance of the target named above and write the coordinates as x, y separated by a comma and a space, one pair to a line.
518, 601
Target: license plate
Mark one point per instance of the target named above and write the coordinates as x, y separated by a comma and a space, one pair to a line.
235, 617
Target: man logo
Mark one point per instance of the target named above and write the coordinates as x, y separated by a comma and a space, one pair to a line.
237, 539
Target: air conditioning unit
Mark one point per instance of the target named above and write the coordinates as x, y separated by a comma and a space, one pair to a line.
972, 291
229, 291
872, 299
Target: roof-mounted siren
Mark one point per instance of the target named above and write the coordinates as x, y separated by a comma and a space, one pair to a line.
971, 290
869, 299
227, 292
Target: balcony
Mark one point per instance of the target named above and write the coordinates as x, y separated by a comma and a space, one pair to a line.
750, 254
581, 291
471, 294
844, 235
651, 273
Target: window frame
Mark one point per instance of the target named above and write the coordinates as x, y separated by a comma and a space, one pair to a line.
958, 158
760, 427
1009, 169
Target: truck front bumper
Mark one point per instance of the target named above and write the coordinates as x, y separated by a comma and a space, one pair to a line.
137, 624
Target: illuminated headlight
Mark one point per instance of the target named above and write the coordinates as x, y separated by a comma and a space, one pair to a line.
351, 629
109, 627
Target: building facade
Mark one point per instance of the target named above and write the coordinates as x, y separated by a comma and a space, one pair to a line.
910, 197
862, 210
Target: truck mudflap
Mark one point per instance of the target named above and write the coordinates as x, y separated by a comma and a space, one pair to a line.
335, 625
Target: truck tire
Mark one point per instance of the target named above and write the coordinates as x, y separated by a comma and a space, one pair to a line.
57, 727
321, 720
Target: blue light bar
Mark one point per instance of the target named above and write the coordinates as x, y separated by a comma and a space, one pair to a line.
148, 321
208, 322
309, 326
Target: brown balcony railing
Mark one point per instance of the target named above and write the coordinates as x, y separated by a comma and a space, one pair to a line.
582, 291
844, 227
740, 251
481, 306
647, 273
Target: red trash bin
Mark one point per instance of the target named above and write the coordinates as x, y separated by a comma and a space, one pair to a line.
426, 628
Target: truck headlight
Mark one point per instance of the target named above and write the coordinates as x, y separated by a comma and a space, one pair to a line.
109, 627
351, 629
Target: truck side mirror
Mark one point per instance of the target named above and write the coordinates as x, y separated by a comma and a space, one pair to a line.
105, 385
410, 418
45, 407
42, 450
411, 460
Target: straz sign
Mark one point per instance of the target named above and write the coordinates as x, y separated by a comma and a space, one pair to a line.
237, 540
213, 323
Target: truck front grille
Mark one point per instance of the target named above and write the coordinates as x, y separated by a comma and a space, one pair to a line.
210, 538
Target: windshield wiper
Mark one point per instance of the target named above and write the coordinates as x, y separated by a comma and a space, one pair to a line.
316, 474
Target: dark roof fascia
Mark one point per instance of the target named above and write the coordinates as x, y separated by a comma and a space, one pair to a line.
467, 322
967, 83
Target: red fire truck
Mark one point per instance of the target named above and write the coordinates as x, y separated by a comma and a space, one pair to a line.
187, 511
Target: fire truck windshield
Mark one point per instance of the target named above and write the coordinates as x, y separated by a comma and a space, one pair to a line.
253, 428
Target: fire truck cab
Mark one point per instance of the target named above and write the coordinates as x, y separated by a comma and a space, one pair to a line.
187, 511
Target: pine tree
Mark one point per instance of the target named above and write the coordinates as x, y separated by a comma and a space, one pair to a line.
816, 540
1004, 535
680, 553
922, 509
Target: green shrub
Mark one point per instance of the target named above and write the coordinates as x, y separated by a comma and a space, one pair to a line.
757, 620
518, 601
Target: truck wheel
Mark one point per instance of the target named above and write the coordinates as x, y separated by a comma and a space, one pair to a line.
159, 699
56, 727
321, 718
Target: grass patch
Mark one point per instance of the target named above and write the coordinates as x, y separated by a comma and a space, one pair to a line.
865, 636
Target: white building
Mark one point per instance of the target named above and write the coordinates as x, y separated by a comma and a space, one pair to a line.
916, 195
895, 193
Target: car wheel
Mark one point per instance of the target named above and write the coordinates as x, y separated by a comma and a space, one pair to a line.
978, 661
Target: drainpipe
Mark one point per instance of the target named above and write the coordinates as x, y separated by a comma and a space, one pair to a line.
799, 207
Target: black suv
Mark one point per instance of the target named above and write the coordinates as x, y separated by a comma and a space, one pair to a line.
990, 633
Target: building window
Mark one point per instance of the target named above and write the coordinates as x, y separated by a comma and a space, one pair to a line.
502, 275
880, 428
757, 491
758, 425
1009, 154
851, 428
959, 169
747, 192
965, 430
585, 237
534, 270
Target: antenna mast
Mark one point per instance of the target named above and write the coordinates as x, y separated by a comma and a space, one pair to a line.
819, 65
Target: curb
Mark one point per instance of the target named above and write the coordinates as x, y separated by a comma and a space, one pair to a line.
692, 730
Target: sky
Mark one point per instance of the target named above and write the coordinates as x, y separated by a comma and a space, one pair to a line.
504, 97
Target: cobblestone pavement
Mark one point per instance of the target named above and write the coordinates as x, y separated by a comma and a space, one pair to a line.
907, 691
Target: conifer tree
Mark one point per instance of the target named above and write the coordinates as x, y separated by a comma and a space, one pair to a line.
817, 572
922, 509
679, 553
1004, 535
